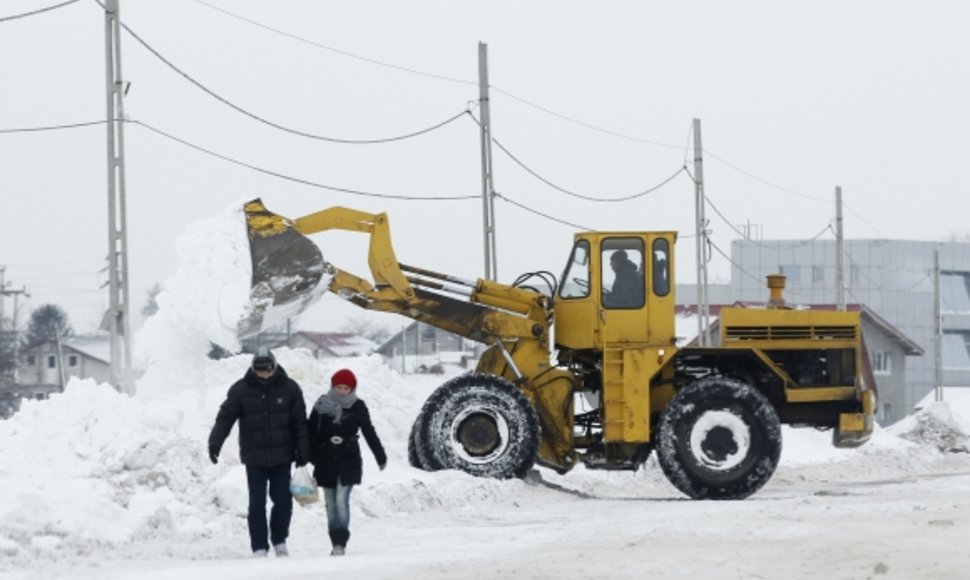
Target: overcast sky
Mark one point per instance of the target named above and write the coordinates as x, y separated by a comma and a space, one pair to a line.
794, 98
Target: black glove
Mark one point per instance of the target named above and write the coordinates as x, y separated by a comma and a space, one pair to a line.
213, 455
300, 460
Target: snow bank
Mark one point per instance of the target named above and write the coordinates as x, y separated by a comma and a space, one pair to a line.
937, 426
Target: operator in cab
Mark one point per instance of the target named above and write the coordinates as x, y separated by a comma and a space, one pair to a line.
627, 291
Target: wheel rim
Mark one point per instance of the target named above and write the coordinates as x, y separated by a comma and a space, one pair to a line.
720, 440
479, 435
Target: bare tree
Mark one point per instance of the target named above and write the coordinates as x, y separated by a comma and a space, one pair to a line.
363, 326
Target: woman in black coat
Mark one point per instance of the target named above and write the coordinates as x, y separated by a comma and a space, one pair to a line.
334, 422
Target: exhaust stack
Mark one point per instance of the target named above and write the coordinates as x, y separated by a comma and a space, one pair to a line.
776, 288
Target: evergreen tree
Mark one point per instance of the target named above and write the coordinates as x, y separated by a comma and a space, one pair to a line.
7, 350
46, 323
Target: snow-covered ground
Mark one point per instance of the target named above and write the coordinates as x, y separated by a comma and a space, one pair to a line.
95, 484
99, 485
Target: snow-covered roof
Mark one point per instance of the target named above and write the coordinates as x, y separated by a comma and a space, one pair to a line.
96, 346
340, 343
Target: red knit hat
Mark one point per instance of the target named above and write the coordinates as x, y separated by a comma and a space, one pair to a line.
344, 377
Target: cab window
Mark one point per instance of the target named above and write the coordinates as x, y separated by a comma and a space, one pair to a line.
575, 279
661, 267
622, 274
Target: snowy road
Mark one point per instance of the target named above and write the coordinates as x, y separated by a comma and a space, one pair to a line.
886, 516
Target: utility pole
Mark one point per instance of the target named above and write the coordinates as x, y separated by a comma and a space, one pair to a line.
13, 331
488, 185
839, 253
116, 318
937, 331
703, 306
16, 330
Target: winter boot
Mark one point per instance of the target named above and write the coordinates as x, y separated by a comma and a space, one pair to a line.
281, 550
339, 538
259, 553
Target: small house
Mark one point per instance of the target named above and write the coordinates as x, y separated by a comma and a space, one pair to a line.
46, 367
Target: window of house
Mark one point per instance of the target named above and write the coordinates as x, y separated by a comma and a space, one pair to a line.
887, 412
955, 292
72, 360
818, 273
51, 361
956, 349
882, 362
855, 274
31, 360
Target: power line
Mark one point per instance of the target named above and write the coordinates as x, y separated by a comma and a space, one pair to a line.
429, 75
583, 123
733, 263
863, 273
579, 195
531, 172
39, 11
273, 124
297, 179
828, 227
764, 181
791, 191
336, 50
52, 127
540, 214
863, 220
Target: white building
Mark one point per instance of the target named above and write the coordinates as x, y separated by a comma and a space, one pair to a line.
893, 278
421, 347
46, 367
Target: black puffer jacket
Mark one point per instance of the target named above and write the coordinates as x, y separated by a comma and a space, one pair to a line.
331, 459
627, 289
272, 420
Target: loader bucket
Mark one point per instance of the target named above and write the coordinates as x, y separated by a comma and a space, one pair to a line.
288, 271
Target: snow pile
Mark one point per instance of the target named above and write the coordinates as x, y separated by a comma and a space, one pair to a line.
936, 427
92, 468
200, 304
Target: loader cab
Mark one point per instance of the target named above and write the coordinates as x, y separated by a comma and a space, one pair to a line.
616, 287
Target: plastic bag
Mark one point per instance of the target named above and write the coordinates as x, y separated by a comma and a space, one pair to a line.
303, 487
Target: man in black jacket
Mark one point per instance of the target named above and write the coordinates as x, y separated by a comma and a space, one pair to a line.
272, 434
627, 291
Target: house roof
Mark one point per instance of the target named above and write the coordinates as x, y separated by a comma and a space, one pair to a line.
340, 343
387, 348
96, 346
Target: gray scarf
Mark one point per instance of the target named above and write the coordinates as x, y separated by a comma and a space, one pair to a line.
333, 404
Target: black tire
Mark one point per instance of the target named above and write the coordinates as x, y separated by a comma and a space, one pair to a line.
413, 458
480, 424
701, 443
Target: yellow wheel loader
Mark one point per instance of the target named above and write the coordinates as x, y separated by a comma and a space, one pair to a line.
588, 369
